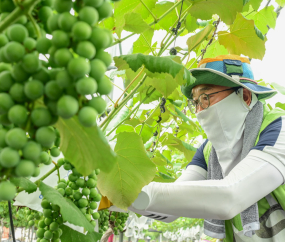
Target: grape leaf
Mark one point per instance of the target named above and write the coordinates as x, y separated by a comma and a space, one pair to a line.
255, 4
125, 128
126, 6
278, 87
213, 49
70, 235
226, 9
87, 148
25, 183
134, 23
146, 133
68, 209
123, 113
263, 18
132, 171
195, 40
190, 23
143, 43
242, 39
280, 105
280, 2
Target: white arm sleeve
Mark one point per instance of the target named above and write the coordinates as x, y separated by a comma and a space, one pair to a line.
252, 179
192, 173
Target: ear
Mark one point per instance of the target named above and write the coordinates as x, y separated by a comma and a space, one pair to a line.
247, 96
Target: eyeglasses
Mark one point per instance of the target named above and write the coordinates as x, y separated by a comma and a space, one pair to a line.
204, 100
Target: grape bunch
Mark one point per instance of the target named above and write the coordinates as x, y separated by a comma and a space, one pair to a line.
116, 220
33, 217
35, 93
80, 190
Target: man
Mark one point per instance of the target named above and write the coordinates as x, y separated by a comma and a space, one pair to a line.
235, 179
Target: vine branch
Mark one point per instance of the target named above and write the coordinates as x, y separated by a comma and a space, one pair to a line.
148, 10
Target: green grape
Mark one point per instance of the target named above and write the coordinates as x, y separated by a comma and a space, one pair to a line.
68, 191
60, 39
83, 210
78, 67
41, 117
98, 103
45, 204
49, 161
17, 92
93, 223
86, 49
67, 167
67, 106
30, 43
52, 90
32, 151
105, 86
100, 38
51, 105
3, 133
63, 79
28, 212
22, 20
48, 235
25, 168
52, 23
93, 193
61, 185
55, 152
93, 3
18, 114
89, 15
7, 190
80, 182
34, 89
86, 85
48, 3
98, 69
105, 10
77, 195
6, 103
112, 217
44, 13
48, 216
91, 183
81, 31
66, 21
72, 177
87, 116
5, 67
93, 205
6, 81
85, 191
17, 32
44, 157
42, 75
19, 74
62, 5
31, 223
55, 215
62, 57
40, 233
91, 175
60, 162
55, 208
14, 51
43, 45
3, 57
111, 38
31, 63
16, 138
104, 56
82, 202
53, 226
97, 197
45, 136
31, 30
44, 240
75, 172
61, 191
41, 224
3, 40
88, 217
59, 220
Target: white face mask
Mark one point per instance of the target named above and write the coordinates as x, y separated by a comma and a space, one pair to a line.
223, 122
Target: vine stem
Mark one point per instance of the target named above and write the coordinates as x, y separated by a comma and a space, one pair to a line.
141, 71
148, 44
152, 23
148, 10
104, 124
35, 25
134, 109
20, 10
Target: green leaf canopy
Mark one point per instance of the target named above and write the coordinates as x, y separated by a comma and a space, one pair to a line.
70, 235
24, 183
132, 171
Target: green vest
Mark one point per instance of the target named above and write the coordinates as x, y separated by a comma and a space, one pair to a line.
279, 193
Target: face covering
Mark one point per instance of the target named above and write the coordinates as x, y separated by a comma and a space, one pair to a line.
224, 123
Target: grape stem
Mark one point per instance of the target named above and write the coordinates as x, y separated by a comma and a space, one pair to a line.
155, 19
141, 71
58, 174
23, 9
35, 25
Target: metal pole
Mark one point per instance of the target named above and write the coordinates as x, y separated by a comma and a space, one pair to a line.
121, 238
11, 221
32, 237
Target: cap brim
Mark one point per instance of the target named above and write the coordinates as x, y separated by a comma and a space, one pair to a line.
210, 76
